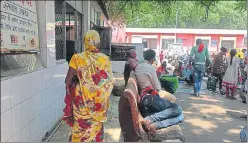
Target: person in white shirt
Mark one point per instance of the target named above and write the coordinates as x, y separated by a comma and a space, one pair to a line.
147, 76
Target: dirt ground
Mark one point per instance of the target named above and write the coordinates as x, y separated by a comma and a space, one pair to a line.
208, 118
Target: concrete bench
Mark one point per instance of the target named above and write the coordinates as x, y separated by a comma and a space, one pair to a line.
130, 117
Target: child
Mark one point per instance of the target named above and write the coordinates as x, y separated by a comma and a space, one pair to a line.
230, 79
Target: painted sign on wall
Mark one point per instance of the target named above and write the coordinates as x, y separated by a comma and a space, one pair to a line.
19, 26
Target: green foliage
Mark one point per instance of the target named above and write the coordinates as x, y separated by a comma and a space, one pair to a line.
190, 14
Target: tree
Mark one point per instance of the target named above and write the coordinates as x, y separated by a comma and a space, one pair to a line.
191, 14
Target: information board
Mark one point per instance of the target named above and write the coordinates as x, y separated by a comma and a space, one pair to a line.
19, 26
119, 52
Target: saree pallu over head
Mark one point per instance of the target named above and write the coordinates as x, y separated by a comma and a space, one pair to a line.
90, 98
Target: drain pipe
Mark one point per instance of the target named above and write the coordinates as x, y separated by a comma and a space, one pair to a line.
54, 131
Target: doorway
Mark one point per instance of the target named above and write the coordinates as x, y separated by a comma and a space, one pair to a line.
229, 44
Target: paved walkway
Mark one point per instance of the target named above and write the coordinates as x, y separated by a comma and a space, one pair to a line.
208, 118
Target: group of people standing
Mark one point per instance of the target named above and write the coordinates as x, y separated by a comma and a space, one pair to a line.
228, 71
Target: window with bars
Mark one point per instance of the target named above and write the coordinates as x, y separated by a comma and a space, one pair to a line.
80, 33
59, 34
70, 26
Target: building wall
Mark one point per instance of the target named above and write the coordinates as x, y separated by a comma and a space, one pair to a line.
189, 41
32, 103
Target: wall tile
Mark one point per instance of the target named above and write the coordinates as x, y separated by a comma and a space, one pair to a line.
32, 111
10, 140
44, 78
32, 130
35, 129
5, 95
25, 111
39, 139
17, 137
38, 104
56, 110
45, 121
47, 77
16, 118
39, 126
6, 126
25, 134
25, 89
51, 113
44, 99
49, 80
37, 84
31, 85
15, 91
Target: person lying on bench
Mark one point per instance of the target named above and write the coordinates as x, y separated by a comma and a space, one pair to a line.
158, 112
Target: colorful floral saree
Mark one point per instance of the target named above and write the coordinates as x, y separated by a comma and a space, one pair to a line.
88, 102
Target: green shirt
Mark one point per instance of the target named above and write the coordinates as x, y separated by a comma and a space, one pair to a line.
200, 58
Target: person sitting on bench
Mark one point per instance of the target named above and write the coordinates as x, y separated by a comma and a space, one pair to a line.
157, 110
130, 64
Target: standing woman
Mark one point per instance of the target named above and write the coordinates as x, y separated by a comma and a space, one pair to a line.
219, 67
230, 80
87, 100
130, 64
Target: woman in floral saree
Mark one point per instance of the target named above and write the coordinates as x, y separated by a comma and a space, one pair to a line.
87, 98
